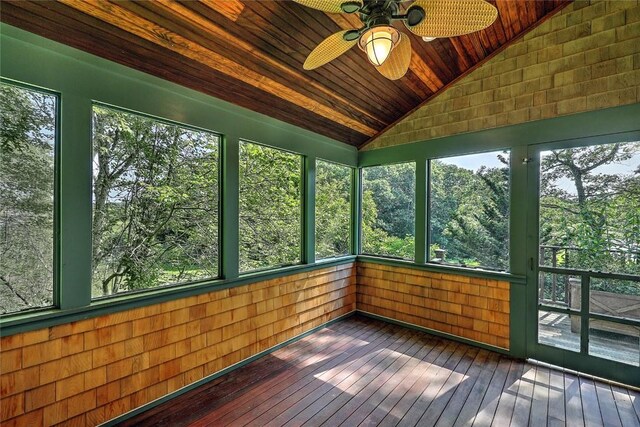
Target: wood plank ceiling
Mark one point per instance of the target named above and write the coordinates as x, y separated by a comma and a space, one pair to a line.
251, 53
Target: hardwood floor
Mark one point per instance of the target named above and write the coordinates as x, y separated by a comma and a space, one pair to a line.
362, 372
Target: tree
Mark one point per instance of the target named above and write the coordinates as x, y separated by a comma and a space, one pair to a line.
333, 209
588, 205
27, 140
388, 210
155, 210
480, 231
270, 207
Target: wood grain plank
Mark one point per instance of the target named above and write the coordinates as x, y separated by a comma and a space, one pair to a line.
180, 19
504, 411
573, 400
590, 407
350, 399
473, 404
277, 386
384, 393
607, 404
312, 413
628, 415
182, 46
365, 372
540, 402
556, 411
441, 383
276, 37
381, 410
80, 32
460, 398
450, 355
196, 403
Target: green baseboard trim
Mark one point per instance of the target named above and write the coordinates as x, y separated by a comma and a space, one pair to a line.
434, 332
205, 380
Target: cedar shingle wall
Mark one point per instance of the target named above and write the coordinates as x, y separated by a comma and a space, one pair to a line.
90, 371
469, 307
585, 58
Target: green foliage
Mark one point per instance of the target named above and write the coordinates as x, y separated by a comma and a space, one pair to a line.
388, 210
470, 215
27, 130
155, 216
333, 209
270, 207
591, 209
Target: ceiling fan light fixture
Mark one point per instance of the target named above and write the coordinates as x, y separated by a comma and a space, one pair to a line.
428, 39
378, 42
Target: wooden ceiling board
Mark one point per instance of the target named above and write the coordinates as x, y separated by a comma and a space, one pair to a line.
251, 53
190, 73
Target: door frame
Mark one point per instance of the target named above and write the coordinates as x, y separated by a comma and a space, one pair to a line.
578, 361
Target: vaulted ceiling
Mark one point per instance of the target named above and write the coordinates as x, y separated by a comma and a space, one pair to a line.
250, 53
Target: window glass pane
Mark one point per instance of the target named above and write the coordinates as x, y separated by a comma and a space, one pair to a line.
27, 144
155, 203
559, 330
614, 341
619, 298
388, 210
470, 210
333, 209
270, 207
590, 208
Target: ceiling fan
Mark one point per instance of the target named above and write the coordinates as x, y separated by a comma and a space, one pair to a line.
388, 49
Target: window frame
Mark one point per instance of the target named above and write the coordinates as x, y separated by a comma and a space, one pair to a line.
361, 183
303, 159
352, 197
429, 200
219, 147
55, 244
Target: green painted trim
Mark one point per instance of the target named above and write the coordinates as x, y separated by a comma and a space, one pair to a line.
356, 212
43, 318
71, 71
434, 332
587, 125
446, 269
616, 371
518, 249
225, 371
421, 247
309, 210
622, 320
230, 207
428, 213
75, 202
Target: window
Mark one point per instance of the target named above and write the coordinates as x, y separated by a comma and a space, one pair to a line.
470, 211
27, 182
155, 203
388, 210
270, 207
333, 209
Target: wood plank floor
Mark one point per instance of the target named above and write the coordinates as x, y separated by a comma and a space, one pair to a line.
363, 372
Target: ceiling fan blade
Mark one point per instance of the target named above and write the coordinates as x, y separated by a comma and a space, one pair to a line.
398, 61
332, 6
450, 18
330, 48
